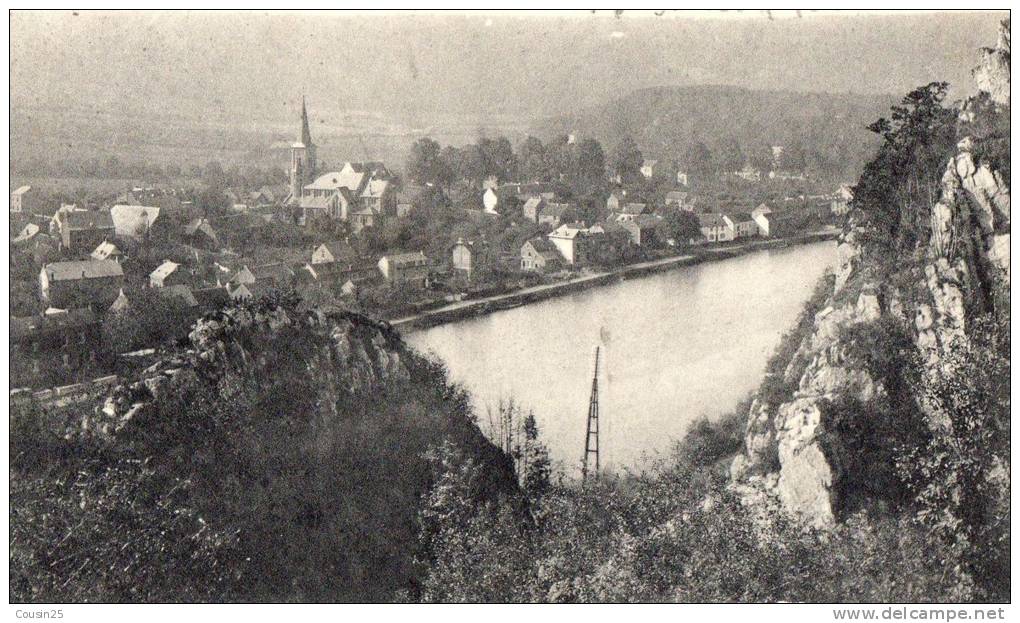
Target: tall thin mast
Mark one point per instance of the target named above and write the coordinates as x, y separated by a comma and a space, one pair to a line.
591, 438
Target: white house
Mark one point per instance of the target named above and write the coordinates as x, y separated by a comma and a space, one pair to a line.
490, 200
762, 221
568, 239
716, 227
648, 168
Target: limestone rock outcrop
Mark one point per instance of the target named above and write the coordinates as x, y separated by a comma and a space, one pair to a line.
793, 453
348, 352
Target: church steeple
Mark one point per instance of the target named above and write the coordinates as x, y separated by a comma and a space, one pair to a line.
302, 158
306, 133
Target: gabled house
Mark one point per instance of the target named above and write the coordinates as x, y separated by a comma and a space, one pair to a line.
410, 269
716, 227
83, 230
276, 273
533, 207
761, 219
569, 240
553, 213
333, 252
107, 251
644, 230
29, 231
490, 200
24, 199
648, 168
744, 225
629, 211
167, 274
617, 198
841, 200
201, 234
540, 255
80, 283
461, 256
680, 199
135, 222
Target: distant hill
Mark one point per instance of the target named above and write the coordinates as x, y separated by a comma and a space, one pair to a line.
664, 120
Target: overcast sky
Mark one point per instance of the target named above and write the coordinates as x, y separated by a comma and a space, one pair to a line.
418, 67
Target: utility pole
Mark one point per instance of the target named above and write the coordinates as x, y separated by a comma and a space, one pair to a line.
591, 438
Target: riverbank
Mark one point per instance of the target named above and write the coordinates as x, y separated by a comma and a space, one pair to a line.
478, 307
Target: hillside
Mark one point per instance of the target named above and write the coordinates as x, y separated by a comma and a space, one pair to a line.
665, 120
873, 463
278, 455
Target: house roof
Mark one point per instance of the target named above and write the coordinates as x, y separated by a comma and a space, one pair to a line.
200, 225
181, 293
569, 230
375, 188
120, 303
347, 178
27, 233
211, 297
341, 251
164, 270
633, 208
105, 250
676, 195
712, 220
129, 220
79, 220
649, 163
22, 190
403, 259
647, 221
555, 209
83, 269
533, 202
740, 217
545, 249
277, 270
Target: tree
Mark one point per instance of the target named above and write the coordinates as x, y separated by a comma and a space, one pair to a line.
531, 158
728, 155
760, 157
426, 165
498, 159
793, 158
682, 226
898, 188
590, 165
697, 159
626, 161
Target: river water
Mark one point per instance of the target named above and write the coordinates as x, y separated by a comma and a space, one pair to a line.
675, 346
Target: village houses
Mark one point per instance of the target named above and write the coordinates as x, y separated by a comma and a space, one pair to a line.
716, 227
23, 199
167, 274
83, 230
411, 269
135, 222
540, 255
80, 283
569, 240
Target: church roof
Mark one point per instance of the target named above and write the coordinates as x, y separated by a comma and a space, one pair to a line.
306, 134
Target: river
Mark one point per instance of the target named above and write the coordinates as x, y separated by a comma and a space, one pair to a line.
676, 346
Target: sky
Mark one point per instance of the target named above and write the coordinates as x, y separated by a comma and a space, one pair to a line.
419, 68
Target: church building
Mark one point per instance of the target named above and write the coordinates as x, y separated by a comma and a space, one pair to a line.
360, 193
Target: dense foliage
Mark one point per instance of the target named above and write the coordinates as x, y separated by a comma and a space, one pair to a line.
237, 484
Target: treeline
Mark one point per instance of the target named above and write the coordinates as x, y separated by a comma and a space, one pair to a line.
577, 163
114, 168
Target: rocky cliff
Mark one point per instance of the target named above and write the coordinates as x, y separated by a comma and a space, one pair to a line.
796, 452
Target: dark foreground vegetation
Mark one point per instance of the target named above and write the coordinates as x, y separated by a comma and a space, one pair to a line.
268, 483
